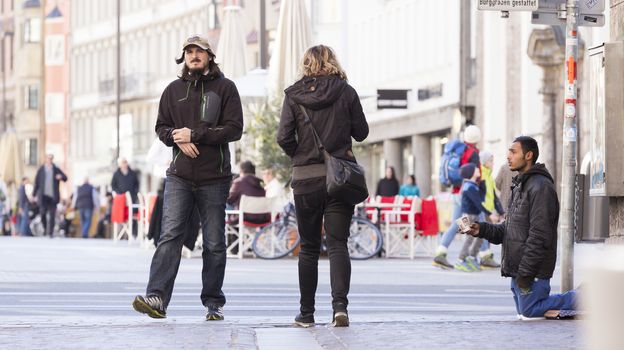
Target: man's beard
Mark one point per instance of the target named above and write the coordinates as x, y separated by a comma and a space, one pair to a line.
197, 71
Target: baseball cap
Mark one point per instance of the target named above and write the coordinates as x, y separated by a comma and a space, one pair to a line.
197, 40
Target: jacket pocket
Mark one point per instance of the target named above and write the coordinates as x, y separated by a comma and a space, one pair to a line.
210, 108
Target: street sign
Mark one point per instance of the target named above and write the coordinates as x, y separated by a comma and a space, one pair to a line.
586, 7
508, 5
552, 19
552, 12
592, 7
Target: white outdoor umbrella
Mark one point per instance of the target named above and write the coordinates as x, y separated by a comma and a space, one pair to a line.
293, 37
11, 164
231, 51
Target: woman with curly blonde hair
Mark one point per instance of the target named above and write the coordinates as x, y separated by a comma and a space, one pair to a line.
324, 102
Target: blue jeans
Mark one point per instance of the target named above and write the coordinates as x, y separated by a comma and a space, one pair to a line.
539, 300
180, 199
449, 235
85, 221
24, 223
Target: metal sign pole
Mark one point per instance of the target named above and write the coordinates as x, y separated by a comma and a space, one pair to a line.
568, 174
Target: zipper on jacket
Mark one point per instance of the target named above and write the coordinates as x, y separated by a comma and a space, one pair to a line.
176, 158
203, 107
221, 163
188, 88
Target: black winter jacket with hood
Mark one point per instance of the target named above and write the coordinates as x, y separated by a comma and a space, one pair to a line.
529, 236
210, 106
336, 114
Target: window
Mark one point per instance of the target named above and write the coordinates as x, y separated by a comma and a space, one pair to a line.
31, 97
30, 154
11, 50
32, 30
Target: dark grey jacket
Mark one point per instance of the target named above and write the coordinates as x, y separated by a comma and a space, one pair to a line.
336, 113
529, 236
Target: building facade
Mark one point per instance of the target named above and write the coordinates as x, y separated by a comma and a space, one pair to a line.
28, 77
7, 39
56, 82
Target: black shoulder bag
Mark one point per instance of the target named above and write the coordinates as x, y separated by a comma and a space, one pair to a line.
345, 179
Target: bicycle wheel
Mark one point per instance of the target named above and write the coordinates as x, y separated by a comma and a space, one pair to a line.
276, 240
365, 239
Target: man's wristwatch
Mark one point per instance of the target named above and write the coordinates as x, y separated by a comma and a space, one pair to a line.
192, 135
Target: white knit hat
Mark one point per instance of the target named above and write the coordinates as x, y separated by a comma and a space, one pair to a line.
472, 134
484, 156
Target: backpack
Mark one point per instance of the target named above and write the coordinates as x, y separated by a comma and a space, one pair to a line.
451, 162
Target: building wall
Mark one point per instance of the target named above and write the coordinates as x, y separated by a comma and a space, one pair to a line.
28, 73
381, 46
56, 81
7, 39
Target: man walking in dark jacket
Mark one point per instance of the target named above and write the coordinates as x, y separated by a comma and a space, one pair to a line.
125, 180
198, 115
529, 235
47, 193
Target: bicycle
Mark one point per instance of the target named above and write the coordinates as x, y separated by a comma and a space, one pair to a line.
281, 238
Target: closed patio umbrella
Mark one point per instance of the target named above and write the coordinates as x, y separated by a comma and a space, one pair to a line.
293, 37
232, 44
11, 163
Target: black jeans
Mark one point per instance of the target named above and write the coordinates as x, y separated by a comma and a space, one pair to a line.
47, 210
180, 200
311, 208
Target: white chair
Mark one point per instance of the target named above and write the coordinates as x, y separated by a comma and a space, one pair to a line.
139, 217
401, 233
244, 232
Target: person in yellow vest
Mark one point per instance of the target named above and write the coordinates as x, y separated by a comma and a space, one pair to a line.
491, 203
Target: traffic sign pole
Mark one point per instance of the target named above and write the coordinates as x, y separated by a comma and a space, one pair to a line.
566, 228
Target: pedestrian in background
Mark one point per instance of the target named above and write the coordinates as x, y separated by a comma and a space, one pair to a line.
389, 185
47, 192
24, 202
272, 186
275, 189
472, 135
248, 184
125, 180
86, 200
409, 187
472, 207
5, 205
491, 203
323, 102
199, 115
529, 235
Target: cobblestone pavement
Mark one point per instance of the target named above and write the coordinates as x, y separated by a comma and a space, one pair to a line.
76, 294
